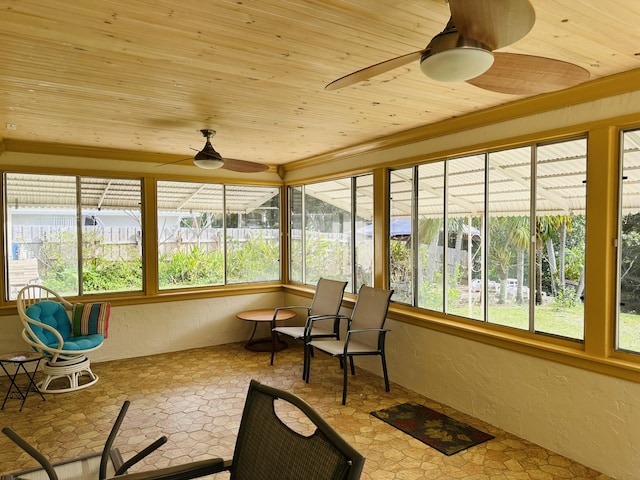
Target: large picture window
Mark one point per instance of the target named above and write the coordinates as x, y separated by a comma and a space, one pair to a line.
331, 231
76, 235
211, 234
497, 237
628, 324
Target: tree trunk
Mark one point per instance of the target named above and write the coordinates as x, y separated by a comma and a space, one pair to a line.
553, 270
561, 254
538, 275
520, 276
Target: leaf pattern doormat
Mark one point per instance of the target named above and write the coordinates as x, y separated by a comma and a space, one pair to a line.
443, 433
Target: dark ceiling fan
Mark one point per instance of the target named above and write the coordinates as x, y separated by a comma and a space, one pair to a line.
209, 159
465, 51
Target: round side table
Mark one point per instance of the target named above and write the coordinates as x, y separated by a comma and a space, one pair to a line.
19, 360
265, 316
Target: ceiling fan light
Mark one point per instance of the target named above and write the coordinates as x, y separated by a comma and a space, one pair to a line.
208, 163
208, 158
452, 58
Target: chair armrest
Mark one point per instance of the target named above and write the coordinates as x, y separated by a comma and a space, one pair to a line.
56, 333
381, 337
293, 307
140, 455
32, 451
361, 330
364, 330
181, 472
304, 307
319, 318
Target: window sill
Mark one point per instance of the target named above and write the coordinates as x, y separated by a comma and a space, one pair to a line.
139, 298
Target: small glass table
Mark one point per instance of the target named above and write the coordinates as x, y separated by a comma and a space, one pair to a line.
19, 360
265, 316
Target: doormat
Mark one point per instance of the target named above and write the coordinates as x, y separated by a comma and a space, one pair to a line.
443, 433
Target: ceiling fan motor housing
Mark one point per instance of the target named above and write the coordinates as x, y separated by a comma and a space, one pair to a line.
208, 158
450, 57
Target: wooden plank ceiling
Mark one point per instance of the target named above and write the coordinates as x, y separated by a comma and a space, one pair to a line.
145, 76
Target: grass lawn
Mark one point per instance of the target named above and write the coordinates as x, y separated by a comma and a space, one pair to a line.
554, 319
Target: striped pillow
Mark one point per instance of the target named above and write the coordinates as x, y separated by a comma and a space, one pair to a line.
91, 318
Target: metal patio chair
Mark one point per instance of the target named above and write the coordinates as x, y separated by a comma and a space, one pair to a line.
325, 306
365, 334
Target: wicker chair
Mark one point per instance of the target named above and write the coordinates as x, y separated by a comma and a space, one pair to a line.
48, 329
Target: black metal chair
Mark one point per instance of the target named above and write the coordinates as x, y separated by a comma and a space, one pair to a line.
92, 467
365, 334
267, 448
325, 305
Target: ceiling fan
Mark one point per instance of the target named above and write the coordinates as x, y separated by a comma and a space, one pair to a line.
464, 51
209, 159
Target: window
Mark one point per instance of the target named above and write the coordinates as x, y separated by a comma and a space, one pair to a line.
509, 237
628, 324
252, 233
463, 245
401, 257
463, 242
331, 234
211, 234
561, 175
363, 234
296, 238
49, 216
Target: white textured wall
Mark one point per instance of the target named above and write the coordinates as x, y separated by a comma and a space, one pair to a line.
148, 329
588, 417
591, 418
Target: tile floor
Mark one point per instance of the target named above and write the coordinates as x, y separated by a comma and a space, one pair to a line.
196, 398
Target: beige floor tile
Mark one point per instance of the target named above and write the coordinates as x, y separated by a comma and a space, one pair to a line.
196, 398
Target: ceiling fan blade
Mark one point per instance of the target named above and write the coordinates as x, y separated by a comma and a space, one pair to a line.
174, 162
373, 70
244, 166
496, 23
518, 74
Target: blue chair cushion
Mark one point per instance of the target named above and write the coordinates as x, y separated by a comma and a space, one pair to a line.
54, 314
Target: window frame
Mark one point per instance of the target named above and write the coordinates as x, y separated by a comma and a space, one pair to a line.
353, 247
80, 193
527, 150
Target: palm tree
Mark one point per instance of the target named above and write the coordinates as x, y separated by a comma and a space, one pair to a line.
546, 229
428, 233
501, 250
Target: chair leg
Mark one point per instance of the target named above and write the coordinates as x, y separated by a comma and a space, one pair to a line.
305, 362
306, 369
353, 369
384, 372
344, 381
273, 345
